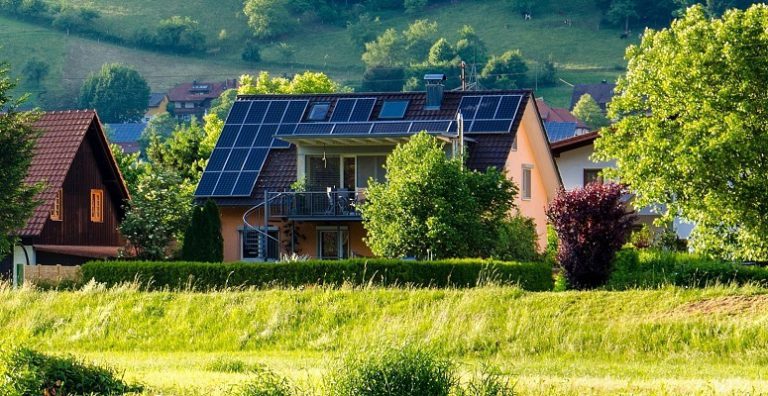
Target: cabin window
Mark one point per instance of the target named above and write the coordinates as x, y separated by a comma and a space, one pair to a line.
58, 204
593, 176
526, 182
97, 206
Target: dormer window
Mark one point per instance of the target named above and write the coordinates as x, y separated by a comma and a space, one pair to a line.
393, 109
319, 111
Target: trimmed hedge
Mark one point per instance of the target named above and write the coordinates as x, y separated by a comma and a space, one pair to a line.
652, 269
534, 276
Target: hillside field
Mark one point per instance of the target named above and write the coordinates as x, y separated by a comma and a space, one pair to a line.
671, 341
584, 51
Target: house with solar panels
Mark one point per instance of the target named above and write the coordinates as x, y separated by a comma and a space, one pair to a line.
289, 171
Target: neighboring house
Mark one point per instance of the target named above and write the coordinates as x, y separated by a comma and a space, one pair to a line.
602, 93
577, 169
156, 105
560, 123
335, 142
194, 99
81, 205
127, 135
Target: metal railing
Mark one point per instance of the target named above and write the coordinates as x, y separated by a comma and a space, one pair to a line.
315, 204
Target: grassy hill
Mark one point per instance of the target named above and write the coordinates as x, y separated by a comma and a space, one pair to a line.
667, 342
584, 51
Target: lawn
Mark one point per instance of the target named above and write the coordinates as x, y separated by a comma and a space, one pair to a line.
584, 51
667, 341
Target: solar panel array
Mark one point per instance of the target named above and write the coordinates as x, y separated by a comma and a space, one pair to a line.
489, 113
245, 141
254, 127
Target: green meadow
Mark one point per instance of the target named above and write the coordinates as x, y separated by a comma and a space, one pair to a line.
670, 341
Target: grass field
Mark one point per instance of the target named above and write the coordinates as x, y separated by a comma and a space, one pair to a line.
666, 342
584, 52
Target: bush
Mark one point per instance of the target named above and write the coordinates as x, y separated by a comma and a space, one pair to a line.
516, 240
402, 372
251, 52
27, 372
490, 382
385, 272
264, 383
653, 268
203, 240
592, 224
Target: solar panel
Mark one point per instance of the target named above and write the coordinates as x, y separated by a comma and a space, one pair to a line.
238, 112
359, 128
217, 160
295, 111
343, 110
264, 138
508, 106
247, 135
255, 159
228, 136
393, 109
286, 129
313, 129
391, 127
207, 183
280, 144
256, 114
430, 126
491, 126
245, 183
468, 106
236, 159
275, 111
362, 110
487, 108
226, 182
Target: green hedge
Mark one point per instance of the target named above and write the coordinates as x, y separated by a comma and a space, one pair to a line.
651, 269
383, 272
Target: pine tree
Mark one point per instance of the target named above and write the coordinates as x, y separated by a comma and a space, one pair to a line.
203, 240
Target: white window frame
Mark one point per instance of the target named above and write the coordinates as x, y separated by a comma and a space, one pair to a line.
339, 242
241, 232
529, 169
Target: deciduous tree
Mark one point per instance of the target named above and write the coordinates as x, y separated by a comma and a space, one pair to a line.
588, 111
117, 92
691, 129
268, 18
505, 71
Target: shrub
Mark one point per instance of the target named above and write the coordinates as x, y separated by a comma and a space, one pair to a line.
385, 272
264, 383
28, 372
203, 240
592, 223
516, 240
402, 372
251, 52
490, 382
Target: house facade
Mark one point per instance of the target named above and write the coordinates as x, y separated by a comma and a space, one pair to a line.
81, 205
193, 99
156, 104
332, 144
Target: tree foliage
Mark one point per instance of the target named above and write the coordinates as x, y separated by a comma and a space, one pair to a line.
470, 47
691, 129
35, 70
268, 18
132, 167
429, 205
17, 142
117, 92
180, 153
592, 224
505, 71
363, 30
588, 111
180, 34
383, 79
202, 240
307, 82
441, 53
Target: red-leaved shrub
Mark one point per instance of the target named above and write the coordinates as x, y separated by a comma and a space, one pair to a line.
592, 224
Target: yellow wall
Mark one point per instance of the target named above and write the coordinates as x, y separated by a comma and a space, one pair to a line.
161, 109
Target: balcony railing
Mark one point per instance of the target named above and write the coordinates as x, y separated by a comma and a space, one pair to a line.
331, 204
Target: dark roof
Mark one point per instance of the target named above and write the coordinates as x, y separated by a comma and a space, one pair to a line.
556, 114
487, 150
62, 133
557, 131
128, 132
193, 91
602, 93
573, 142
155, 99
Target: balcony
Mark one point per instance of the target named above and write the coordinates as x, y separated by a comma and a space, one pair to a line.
315, 205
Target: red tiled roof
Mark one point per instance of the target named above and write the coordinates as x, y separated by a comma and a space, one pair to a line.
555, 114
184, 92
62, 133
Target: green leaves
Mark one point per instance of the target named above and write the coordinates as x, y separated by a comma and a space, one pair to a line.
692, 130
117, 92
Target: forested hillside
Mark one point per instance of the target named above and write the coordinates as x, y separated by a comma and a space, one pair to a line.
53, 44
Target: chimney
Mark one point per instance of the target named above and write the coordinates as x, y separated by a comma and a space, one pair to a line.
434, 83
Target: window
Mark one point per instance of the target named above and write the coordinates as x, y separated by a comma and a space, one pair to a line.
189, 105
97, 206
526, 182
332, 243
593, 176
319, 111
323, 172
177, 105
251, 240
370, 167
514, 144
349, 173
393, 109
58, 204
